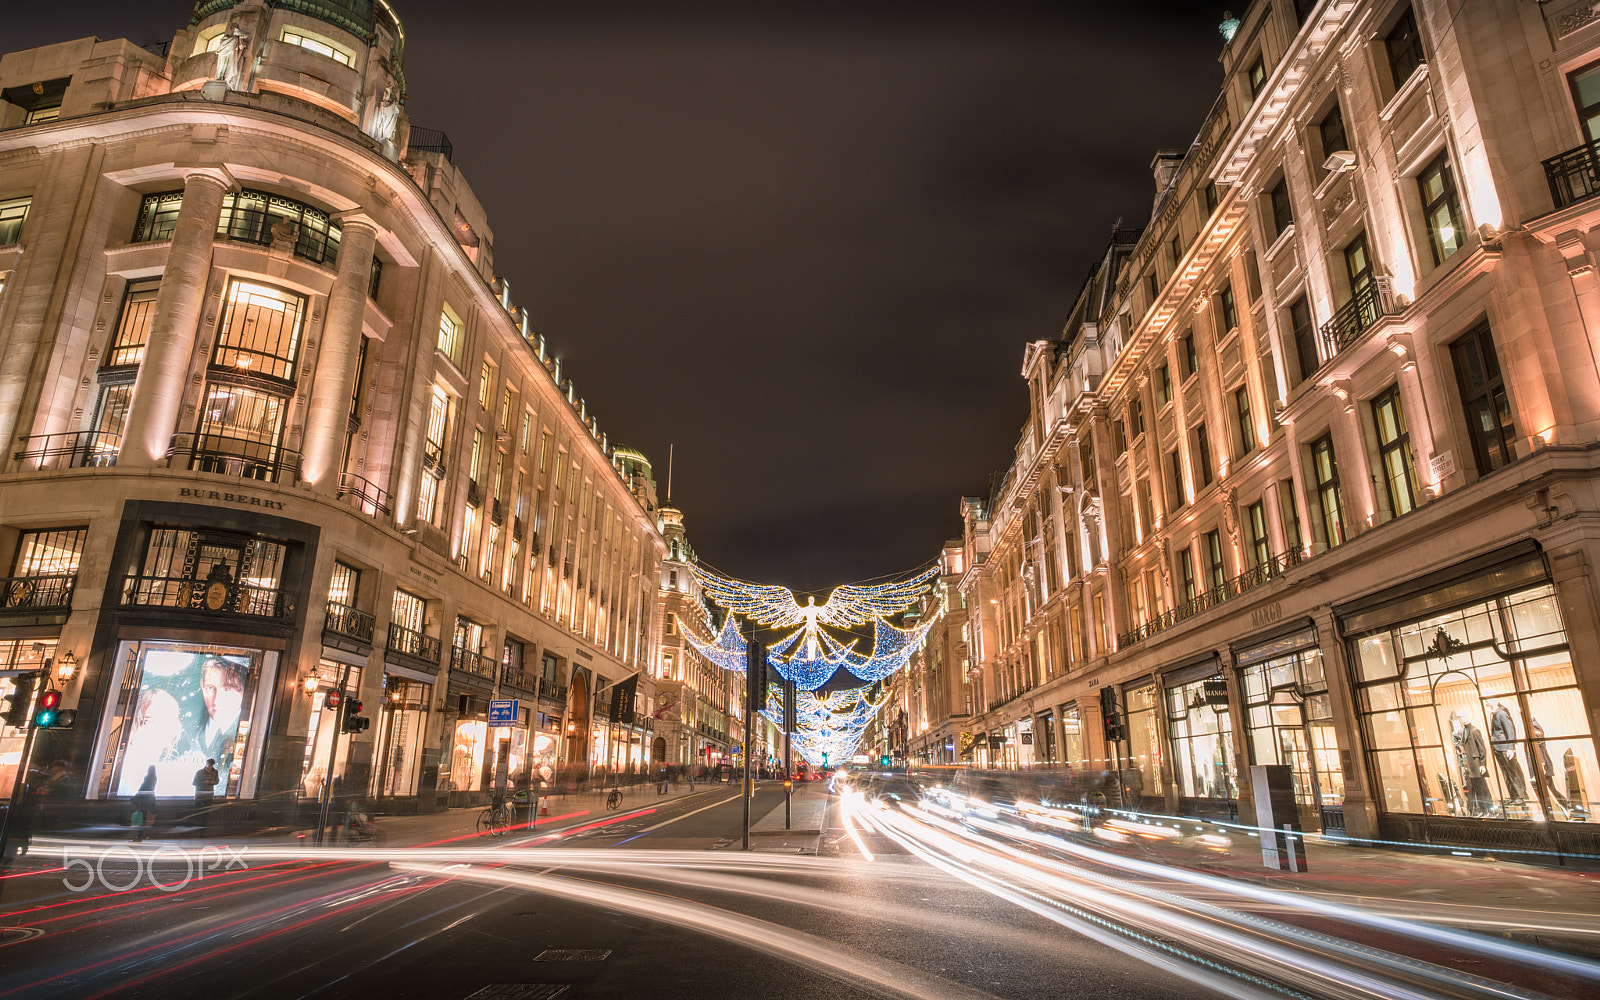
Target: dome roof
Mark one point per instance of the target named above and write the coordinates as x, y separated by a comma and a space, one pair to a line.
359, 17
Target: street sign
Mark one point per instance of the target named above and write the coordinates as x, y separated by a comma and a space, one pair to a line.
503, 713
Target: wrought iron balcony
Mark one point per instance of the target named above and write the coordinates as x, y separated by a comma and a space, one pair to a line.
343, 620
79, 450
430, 140
525, 680
473, 663
409, 642
23, 594
497, 512
364, 495
238, 457
1574, 175
1371, 301
1227, 590
553, 692
207, 596
474, 494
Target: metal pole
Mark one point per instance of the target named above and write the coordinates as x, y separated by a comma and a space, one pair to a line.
753, 669
788, 749
333, 754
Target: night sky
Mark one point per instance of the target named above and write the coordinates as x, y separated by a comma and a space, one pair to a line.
803, 243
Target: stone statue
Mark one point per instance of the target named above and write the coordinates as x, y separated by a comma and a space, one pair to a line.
385, 115
233, 58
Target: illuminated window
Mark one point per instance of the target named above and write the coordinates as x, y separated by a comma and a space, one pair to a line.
1483, 395
158, 214
1330, 502
12, 214
452, 338
317, 45
133, 326
485, 385
1247, 428
260, 332
259, 217
345, 584
50, 552
1441, 208
1394, 452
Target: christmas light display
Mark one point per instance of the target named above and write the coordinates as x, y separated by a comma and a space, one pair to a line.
827, 727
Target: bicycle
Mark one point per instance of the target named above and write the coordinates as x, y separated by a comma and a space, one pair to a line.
495, 820
614, 799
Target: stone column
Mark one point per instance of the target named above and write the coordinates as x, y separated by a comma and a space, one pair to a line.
329, 409
163, 374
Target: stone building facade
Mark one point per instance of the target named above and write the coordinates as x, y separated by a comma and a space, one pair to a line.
1310, 475
274, 428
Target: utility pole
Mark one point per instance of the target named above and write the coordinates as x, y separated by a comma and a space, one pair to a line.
333, 752
755, 671
788, 749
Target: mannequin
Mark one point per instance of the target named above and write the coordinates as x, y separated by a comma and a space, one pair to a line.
1545, 768
1472, 755
1503, 737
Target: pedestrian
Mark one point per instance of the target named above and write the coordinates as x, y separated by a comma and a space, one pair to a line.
205, 784
144, 804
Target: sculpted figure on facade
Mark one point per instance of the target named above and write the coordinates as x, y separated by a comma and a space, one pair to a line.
233, 58
385, 116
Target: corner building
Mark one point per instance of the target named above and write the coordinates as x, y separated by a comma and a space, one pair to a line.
274, 424
1309, 477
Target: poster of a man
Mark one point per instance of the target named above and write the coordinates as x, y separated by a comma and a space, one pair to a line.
188, 710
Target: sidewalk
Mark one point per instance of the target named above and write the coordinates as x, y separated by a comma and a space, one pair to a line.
808, 815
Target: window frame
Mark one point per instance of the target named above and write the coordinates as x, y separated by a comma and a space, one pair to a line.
1330, 498
1406, 50
1448, 200
1246, 424
1396, 458
1480, 339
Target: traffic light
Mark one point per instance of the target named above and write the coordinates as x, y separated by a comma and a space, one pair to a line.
1110, 717
44, 717
16, 711
350, 716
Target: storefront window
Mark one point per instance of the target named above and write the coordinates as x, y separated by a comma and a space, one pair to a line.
467, 755
325, 734
1143, 775
1073, 752
1289, 720
1477, 714
181, 704
1202, 749
400, 730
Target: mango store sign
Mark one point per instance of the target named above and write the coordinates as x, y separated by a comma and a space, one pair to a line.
239, 499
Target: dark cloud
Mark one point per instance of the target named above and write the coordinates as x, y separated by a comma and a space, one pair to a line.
803, 243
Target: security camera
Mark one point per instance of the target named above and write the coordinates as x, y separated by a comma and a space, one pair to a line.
1339, 160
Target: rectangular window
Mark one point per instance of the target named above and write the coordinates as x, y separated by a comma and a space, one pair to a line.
1394, 452
408, 610
1585, 95
1330, 503
239, 432
452, 339
258, 217
546, 441
1255, 79
1175, 249
1135, 417
1404, 47
1212, 197
1228, 308
1247, 427
1202, 456
260, 331
1191, 357
527, 431
1358, 268
12, 215
49, 552
438, 427
1441, 208
485, 386
316, 45
1282, 210
345, 585
110, 414
1163, 382
427, 496
1147, 510
1119, 437
1260, 547
1252, 274
1483, 396
133, 326
1175, 493
505, 411
158, 214
1304, 332
1086, 457
476, 470
1216, 569
1331, 129
1186, 577
561, 467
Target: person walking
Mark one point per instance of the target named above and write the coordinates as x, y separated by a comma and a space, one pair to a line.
144, 804
205, 784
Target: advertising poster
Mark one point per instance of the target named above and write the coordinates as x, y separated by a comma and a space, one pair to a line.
188, 709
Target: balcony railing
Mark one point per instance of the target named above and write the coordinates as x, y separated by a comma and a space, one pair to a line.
430, 140
553, 692
1370, 301
79, 450
409, 642
1574, 175
364, 495
344, 620
473, 663
211, 596
239, 457
1227, 590
526, 680
36, 593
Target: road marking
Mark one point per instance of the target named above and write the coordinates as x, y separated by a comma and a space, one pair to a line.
675, 819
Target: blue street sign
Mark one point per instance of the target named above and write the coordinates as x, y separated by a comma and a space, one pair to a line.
503, 713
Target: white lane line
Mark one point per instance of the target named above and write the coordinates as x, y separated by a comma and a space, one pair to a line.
668, 822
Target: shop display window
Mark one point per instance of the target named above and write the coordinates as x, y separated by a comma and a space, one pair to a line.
1477, 714
1142, 777
1289, 720
1202, 747
401, 725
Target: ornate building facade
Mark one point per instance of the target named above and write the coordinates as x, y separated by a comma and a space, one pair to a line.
1309, 476
275, 428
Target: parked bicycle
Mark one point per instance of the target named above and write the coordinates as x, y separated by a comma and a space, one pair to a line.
495, 821
614, 798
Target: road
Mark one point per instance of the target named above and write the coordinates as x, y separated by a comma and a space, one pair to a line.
656, 900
